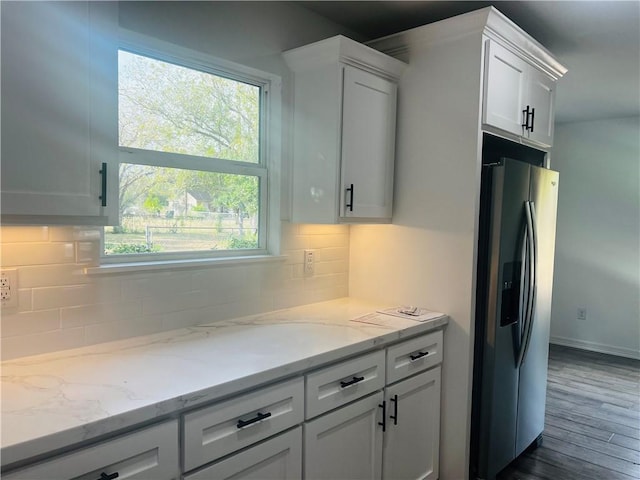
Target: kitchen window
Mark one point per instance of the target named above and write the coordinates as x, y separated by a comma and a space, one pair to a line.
195, 145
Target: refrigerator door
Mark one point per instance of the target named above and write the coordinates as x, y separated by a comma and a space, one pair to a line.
533, 371
501, 319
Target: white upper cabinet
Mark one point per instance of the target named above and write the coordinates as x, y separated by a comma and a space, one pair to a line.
518, 97
344, 127
542, 92
59, 112
368, 144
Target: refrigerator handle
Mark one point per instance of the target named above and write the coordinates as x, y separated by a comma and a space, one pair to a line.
532, 243
518, 333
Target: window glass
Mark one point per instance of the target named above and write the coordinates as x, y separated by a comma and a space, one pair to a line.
191, 174
172, 210
170, 108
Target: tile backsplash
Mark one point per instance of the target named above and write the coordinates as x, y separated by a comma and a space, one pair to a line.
61, 307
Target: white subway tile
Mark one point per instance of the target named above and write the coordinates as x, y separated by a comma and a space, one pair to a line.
24, 234
20, 346
100, 313
156, 284
294, 242
324, 294
143, 326
68, 296
25, 299
297, 271
294, 256
314, 229
83, 234
29, 322
333, 253
102, 332
320, 282
327, 268
213, 278
241, 309
175, 303
14, 254
326, 241
88, 253
51, 275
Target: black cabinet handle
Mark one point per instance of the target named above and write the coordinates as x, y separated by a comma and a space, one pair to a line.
525, 118
103, 196
351, 382
350, 204
533, 112
257, 418
104, 476
394, 417
383, 423
418, 355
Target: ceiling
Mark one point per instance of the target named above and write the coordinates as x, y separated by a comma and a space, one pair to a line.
598, 41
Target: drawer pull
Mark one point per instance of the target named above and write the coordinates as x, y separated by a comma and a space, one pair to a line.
104, 476
383, 423
394, 417
418, 355
257, 418
353, 381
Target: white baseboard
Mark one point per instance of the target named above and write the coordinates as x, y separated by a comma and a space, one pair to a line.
596, 347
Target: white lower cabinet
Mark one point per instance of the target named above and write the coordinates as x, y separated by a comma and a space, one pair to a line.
375, 416
411, 439
393, 434
150, 453
279, 458
346, 443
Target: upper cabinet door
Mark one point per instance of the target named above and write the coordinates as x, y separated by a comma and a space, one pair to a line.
59, 112
504, 89
542, 90
518, 98
344, 121
368, 144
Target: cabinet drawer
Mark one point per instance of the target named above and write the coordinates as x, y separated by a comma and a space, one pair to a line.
277, 458
145, 454
339, 384
413, 356
213, 432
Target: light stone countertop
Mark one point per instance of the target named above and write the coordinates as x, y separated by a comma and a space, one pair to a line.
55, 400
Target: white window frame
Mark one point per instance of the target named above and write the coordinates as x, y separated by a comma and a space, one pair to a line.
267, 169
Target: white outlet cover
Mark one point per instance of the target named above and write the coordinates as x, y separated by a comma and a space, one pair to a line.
9, 287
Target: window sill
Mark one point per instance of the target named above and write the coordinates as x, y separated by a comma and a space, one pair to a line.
180, 264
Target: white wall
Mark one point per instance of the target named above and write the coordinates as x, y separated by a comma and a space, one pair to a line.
597, 263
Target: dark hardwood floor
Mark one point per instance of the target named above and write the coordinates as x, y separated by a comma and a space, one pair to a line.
592, 424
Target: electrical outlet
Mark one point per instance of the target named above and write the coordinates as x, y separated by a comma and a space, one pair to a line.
582, 313
309, 260
9, 287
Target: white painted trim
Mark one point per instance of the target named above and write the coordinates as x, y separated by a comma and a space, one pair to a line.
136, 267
345, 50
596, 347
269, 168
488, 21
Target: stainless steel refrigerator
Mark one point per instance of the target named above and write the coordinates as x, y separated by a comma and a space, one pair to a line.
513, 307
